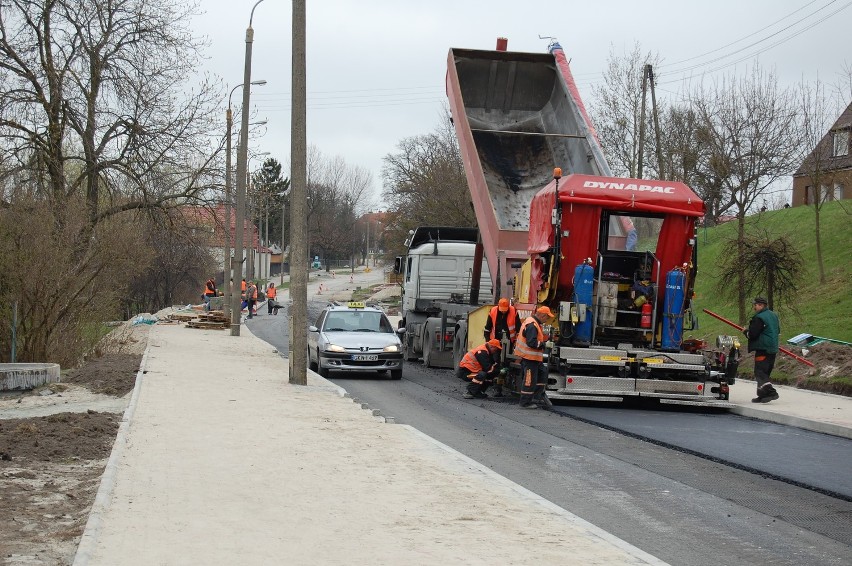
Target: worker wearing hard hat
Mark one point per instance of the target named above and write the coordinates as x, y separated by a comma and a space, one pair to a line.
530, 348
503, 320
479, 367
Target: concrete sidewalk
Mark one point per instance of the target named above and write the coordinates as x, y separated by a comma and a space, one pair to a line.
220, 461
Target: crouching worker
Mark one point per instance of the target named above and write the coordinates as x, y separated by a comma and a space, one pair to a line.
479, 367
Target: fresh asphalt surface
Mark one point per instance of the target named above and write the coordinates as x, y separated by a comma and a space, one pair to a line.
677, 484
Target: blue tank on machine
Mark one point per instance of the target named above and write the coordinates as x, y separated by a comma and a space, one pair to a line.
673, 304
584, 286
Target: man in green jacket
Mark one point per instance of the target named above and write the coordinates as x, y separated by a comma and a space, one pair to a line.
762, 334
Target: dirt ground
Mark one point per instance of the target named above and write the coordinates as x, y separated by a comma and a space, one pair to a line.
832, 371
50, 466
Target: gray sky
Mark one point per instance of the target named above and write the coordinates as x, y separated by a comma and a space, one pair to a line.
376, 67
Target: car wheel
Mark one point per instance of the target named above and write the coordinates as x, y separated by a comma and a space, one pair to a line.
396, 374
321, 370
312, 364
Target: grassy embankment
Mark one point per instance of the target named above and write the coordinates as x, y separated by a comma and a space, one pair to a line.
819, 309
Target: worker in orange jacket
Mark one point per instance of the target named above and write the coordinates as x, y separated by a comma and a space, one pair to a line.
251, 298
479, 367
503, 320
530, 348
271, 293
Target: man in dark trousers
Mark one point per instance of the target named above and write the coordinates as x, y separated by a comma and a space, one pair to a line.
503, 319
530, 348
762, 334
479, 367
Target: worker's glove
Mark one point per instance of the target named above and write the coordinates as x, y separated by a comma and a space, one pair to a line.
503, 372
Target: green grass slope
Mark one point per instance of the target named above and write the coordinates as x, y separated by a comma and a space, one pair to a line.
819, 309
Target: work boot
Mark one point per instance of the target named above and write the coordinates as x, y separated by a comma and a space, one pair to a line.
468, 396
529, 406
770, 396
481, 395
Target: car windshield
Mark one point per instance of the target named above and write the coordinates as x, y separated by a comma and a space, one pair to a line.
357, 321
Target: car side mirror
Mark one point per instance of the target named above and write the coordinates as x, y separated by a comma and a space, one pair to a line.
401, 331
313, 328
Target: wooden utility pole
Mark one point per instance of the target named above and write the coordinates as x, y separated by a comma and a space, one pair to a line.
639, 170
298, 205
650, 75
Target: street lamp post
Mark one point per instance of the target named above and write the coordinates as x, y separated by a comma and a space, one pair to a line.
252, 206
241, 175
229, 285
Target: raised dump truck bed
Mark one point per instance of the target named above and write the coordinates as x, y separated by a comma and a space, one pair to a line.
517, 116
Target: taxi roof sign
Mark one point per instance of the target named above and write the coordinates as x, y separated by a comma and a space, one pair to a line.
356, 304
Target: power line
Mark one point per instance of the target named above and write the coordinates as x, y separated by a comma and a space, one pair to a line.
661, 66
761, 50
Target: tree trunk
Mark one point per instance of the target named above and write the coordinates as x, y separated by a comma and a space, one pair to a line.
741, 282
820, 263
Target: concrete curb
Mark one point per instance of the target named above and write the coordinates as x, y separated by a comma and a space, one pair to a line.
798, 422
639, 555
90, 535
756, 412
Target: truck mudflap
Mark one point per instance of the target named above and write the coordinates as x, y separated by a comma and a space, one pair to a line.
705, 393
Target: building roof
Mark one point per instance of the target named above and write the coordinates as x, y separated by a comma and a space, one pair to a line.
821, 156
213, 219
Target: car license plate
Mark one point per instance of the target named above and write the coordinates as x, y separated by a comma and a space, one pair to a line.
365, 357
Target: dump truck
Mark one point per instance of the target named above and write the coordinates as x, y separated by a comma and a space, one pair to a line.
441, 278
616, 258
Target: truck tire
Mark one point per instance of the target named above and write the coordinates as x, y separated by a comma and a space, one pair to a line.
408, 349
427, 346
396, 374
460, 343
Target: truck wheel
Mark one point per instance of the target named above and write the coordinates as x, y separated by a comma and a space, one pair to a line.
396, 374
459, 343
408, 349
427, 348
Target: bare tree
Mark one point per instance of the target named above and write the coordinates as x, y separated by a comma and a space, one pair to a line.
94, 99
817, 112
749, 129
337, 193
616, 110
425, 184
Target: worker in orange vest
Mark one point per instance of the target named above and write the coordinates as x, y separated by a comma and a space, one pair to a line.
251, 298
271, 293
503, 320
479, 367
530, 348
209, 292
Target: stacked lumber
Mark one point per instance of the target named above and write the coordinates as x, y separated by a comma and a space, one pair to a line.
212, 319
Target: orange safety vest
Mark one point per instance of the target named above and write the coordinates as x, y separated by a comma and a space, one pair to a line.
209, 290
471, 364
243, 286
522, 349
511, 322
254, 292
270, 293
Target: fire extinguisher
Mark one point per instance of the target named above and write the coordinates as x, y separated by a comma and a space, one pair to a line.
645, 318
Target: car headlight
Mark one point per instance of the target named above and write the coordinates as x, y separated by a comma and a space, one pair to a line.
334, 348
391, 348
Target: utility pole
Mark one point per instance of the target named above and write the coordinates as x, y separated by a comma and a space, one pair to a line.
642, 122
242, 157
656, 123
226, 305
298, 205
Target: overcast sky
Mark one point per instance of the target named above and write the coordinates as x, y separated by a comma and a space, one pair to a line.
376, 68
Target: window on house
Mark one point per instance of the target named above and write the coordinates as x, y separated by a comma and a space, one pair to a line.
838, 191
809, 195
841, 143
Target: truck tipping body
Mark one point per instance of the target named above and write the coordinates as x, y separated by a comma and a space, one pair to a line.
516, 119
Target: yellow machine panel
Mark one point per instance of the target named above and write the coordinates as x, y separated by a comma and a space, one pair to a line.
476, 326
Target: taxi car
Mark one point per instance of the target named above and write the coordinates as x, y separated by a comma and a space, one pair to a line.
354, 338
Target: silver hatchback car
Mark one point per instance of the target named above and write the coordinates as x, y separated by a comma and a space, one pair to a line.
354, 338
